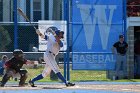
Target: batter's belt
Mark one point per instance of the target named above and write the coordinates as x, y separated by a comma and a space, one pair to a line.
51, 53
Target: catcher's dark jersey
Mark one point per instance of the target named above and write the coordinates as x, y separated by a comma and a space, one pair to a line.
121, 47
15, 63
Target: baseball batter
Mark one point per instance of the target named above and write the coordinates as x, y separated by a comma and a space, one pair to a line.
53, 46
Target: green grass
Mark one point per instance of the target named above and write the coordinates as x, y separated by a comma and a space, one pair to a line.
34, 72
75, 75
83, 75
78, 75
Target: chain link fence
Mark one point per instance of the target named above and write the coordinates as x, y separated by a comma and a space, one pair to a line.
26, 36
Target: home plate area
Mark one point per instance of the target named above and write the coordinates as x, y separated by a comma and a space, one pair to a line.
78, 88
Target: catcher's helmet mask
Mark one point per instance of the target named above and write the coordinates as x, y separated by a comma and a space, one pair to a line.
18, 53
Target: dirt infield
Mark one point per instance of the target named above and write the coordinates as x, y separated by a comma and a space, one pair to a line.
111, 87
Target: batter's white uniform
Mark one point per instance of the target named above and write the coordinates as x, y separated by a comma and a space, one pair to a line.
49, 56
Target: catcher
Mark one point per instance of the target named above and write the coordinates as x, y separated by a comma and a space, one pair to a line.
13, 66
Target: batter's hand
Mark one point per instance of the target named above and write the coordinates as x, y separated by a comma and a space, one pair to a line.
37, 31
40, 34
51, 31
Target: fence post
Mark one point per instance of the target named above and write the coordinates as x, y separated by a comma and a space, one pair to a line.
15, 24
65, 53
125, 17
66, 56
68, 51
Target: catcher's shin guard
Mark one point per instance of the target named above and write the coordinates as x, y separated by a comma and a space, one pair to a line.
4, 80
22, 80
23, 77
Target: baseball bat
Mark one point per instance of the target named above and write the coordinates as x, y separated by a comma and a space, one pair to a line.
24, 16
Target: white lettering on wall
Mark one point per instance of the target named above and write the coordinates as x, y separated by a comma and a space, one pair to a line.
99, 18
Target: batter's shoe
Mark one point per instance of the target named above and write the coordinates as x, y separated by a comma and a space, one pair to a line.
70, 84
32, 83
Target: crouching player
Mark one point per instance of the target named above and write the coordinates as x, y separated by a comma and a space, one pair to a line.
13, 66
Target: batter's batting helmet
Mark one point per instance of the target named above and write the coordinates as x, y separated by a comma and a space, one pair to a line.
50, 29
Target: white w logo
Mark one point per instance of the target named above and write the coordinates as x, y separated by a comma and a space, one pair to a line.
99, 17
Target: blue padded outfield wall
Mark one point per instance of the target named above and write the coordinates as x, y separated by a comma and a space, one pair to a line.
96, 25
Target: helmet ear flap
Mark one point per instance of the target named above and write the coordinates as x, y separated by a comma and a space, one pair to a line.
57, 32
